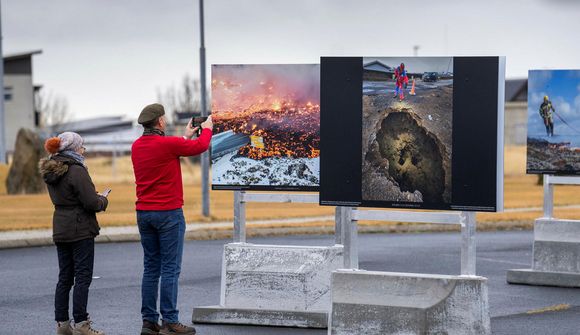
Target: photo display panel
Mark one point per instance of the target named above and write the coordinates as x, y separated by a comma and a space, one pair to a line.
553, 141
412, 132
266, 127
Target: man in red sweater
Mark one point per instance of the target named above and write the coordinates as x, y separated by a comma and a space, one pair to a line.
160, 218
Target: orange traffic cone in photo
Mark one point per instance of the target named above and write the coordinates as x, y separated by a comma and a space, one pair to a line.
413, 88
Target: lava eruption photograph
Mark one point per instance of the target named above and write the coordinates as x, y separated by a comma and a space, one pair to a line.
407, 129
553, 139
267, 126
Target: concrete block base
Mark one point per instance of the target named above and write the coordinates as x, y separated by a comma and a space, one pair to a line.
543, 278
260, 317
380, 303
273, 285
270, 276
556, 255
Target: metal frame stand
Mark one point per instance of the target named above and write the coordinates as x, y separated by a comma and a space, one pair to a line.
247, 296
241, 198
549, 182
553, 238
466, 220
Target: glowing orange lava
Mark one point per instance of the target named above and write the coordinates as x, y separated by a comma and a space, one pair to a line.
281, 107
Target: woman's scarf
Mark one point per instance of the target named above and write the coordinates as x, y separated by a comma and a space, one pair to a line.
74, 155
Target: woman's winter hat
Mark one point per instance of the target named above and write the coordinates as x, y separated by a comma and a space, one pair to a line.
67, 141
150, 113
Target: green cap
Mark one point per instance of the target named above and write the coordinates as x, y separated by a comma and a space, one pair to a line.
150, 113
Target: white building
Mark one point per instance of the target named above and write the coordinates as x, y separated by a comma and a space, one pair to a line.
19, 111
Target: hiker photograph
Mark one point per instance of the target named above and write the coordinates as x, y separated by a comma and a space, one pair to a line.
553, 141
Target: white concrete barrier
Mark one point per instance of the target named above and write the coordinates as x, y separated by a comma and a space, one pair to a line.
556, 255
373, 303
274, 285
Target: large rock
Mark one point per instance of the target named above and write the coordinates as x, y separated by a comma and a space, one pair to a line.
24, 177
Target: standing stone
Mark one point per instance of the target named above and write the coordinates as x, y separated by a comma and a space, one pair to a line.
24, 177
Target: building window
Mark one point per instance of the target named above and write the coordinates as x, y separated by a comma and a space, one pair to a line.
7, 93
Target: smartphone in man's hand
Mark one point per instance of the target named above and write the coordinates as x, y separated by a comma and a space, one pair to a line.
106, 192
196, 121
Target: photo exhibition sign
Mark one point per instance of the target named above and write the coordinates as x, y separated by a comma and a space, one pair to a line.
267, 127
412, 132
553, 144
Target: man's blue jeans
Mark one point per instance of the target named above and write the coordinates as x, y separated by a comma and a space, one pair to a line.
162, 234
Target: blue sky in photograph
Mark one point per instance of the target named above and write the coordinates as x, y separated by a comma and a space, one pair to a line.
563, 89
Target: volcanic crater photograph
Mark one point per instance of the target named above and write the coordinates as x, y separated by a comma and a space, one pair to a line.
407, 129
267, 125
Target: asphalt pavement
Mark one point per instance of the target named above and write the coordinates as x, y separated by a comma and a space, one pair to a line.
28, 277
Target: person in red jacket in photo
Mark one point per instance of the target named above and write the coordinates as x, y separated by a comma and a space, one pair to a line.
401, 82
159, 187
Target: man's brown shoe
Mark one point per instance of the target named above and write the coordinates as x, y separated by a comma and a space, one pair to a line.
64, 328
150, 328
176, 328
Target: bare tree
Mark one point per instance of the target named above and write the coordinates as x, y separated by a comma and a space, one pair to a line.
167, 98
191, 95
53, 108
183, 98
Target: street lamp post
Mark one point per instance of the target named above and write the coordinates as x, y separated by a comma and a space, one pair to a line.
205, 155
2, 117
415, 50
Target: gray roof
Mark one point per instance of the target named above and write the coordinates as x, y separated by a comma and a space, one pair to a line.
368, 65
20, 55
95, 125
20, 63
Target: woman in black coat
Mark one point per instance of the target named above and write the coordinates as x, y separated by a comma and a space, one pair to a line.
75, 227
